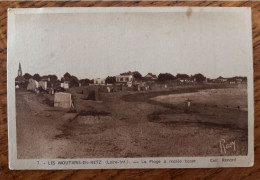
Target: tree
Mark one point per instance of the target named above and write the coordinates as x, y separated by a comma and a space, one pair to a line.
67, 76
84, 82
199, 77
165, 77
74, 82
53, 77
37, 77
110, 80
182, 76
137, 75
27, 76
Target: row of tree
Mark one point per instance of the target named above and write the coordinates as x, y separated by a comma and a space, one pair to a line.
36, 77
74, 81
169, 77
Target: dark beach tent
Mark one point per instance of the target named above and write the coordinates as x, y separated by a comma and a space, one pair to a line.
93, 95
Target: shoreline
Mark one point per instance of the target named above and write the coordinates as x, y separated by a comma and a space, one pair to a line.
146, 96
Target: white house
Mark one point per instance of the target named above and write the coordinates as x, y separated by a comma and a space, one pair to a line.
125, 79
222, 80
99, 81
65, 84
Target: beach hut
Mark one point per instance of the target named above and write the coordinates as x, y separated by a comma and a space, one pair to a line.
91, 93
62, 100
32, 85
43, 84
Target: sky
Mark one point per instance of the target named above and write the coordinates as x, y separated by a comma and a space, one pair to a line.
97, 45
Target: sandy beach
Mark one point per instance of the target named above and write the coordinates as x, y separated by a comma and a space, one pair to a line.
119, 125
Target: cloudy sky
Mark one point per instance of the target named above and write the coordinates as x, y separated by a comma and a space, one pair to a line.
92, 45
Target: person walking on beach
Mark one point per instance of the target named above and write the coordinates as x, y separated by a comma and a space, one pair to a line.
188, 105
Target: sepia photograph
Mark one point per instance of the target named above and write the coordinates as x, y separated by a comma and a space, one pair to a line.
130, 83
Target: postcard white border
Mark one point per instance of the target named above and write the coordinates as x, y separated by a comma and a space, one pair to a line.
122, 163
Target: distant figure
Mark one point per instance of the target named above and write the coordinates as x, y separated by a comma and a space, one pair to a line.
108, 89
188, 105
